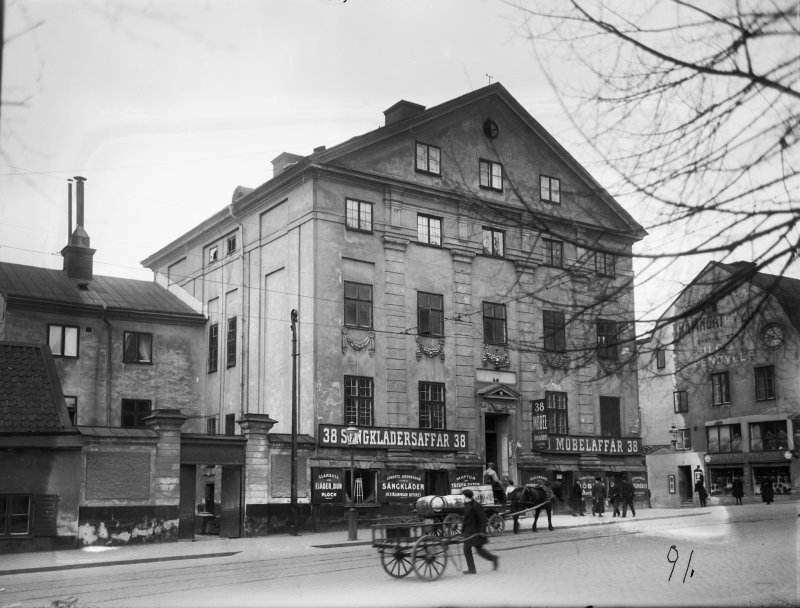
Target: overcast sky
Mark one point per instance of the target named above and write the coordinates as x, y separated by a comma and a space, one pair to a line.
166, 106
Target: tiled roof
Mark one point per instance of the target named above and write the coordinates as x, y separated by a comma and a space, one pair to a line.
785, 289
112, 292
31, 400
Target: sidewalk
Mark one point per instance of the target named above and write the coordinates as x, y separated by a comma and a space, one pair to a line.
213, 547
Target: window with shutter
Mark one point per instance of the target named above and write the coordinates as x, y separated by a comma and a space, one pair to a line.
45, 514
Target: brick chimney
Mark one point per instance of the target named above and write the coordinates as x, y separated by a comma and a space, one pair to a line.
78, 256
401, 110
283, 161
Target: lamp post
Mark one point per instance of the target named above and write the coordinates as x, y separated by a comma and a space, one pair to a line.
350, 434
674, 432
293, 470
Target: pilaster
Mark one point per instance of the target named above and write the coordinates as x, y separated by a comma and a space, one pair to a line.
256, 470
166, 475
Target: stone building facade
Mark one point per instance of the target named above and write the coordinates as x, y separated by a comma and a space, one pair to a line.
463, 290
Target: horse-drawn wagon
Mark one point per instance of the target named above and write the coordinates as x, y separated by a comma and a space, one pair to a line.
444, 514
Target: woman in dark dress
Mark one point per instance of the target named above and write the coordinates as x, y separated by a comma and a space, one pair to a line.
767, 493
737, 491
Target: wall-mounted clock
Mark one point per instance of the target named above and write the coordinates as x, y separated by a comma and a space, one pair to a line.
772, 335
490, 128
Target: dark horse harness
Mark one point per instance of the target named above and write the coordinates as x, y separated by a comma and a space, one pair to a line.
518, 499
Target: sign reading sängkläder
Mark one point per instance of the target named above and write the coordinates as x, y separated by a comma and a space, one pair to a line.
331, 435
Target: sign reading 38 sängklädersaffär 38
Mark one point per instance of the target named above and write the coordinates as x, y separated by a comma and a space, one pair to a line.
331, 435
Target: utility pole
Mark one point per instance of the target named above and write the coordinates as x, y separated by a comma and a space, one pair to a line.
293, 499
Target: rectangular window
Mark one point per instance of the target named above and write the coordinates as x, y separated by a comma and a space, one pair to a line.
725, 438
358, 401
661, 358
137, 347
133, 412
765, 383
430, 314
230, 348
610, 422
554, 331
72, 408
230, 424
553, 253
605, 263
431, 405
720, 388
213, 254
680, 402
550, 189
768, 436
357, 305
494, 242
491, 175
15, 515
213, 347
63, 340
429, 230
606, 339
211, 425
230, 245
428, 159
494, 323
683, 439
555, 408
358, 215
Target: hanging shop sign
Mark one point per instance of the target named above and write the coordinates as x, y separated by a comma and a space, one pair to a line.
539, 434
331, 435
639, 481
401, 486
567, 444
327, 486
462, 478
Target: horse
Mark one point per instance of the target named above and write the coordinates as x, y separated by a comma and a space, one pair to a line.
539, 496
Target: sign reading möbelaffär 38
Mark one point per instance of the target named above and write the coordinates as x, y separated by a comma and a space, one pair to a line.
332, 435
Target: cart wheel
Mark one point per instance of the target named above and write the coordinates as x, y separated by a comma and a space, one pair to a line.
453, 524
396, 560
496, 525
432, 528
429, 557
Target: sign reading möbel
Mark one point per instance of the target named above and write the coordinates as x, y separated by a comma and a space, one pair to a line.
331, 435
599, 445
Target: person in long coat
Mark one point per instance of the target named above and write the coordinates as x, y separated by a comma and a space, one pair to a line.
614, 497
767, 493
737, 491
598, 497
577, 500
700, 488
474, 531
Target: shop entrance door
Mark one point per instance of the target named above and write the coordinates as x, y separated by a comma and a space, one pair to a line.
685, 485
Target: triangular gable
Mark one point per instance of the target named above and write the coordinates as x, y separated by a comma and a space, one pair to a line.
498, 391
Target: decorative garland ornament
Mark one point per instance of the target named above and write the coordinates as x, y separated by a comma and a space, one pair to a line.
358, 344
498, 361
553, 361
430, 352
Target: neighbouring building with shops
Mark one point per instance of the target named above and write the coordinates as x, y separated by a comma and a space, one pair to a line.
720, 391
99, 377
463, 292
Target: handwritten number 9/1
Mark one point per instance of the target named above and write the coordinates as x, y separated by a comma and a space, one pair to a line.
672, 558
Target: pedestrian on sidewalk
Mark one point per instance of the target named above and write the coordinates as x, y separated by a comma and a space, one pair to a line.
737, 491
598, 497
577, 500
700, 488
614, 497
627, 492
474, 531
767, 493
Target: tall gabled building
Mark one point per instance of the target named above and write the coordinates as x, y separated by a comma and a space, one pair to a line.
464, 294
721, 395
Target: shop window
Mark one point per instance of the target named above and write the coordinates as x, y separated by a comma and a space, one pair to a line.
765, 383
554, 331
431, 405
720, 481
134, 411
494, 323
15, 515
429, 230
725, 438
430, 314
680, 402
358, 401
137, 347
494, 242
610, 423
720, 388
768, 436
428, 159
358, 215
357, 305
63, 340
364, 485
556, 409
